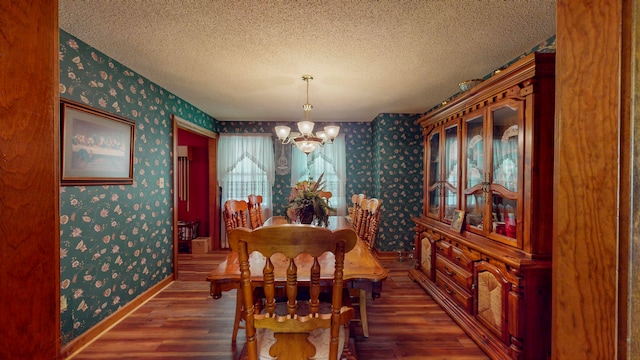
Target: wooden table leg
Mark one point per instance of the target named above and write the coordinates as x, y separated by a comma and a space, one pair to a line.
363, 312
215, 290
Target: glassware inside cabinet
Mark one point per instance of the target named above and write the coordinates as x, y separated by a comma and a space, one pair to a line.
451, 172
505, 147
504, 212
475, 206
505, 175
475, 174
434, 175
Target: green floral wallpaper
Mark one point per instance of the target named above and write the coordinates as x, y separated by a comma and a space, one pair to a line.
398, 169
116, 241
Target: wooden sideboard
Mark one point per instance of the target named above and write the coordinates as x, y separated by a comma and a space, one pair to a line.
489, 158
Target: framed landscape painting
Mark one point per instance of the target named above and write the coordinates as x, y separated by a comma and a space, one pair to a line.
96, 147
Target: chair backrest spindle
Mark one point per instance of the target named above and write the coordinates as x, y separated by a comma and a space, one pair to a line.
256, 216
361, 218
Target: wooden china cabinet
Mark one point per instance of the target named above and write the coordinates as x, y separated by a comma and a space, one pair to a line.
489, 154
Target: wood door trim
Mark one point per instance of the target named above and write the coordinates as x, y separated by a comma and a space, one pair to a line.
214, 206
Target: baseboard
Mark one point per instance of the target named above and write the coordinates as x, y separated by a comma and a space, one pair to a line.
77, 344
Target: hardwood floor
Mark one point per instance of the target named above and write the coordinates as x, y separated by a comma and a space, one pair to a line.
184, 322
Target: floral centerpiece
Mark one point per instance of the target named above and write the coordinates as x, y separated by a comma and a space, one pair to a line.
306, 204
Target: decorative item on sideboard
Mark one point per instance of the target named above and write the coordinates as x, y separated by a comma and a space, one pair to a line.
469, 84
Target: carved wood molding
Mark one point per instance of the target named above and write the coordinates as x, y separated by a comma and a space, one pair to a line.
514, 82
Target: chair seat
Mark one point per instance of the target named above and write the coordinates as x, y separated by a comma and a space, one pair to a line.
320, 338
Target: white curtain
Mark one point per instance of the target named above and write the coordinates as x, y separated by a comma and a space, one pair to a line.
245, 167
330, 159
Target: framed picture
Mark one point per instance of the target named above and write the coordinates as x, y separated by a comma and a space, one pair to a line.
458, 219
96, 147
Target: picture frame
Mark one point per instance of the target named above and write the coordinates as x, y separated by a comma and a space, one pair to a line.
96, 146
458, 220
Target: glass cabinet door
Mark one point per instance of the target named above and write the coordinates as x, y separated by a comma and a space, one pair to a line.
474, 187
451, 172
433, 176
506, 176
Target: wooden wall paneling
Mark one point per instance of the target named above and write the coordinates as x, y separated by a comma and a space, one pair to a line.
29, 180
585, 257
629, 251
214, 195
174, 193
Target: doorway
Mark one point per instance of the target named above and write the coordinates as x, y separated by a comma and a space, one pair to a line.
195, 189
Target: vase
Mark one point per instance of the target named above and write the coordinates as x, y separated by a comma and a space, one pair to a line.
307, 215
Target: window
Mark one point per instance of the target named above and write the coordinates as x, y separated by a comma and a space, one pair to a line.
245, 167
330, 160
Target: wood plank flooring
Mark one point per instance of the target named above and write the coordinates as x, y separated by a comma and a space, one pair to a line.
184, 322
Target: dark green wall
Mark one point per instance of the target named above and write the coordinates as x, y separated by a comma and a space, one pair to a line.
116, 241
398, 174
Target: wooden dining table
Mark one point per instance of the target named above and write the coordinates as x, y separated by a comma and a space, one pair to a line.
362, 270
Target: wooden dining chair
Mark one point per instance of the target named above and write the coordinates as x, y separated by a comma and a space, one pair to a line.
235, 216
303, 325
369, 230
256, 216
326, 195
360, 221
372, 215
369, 212
356, 199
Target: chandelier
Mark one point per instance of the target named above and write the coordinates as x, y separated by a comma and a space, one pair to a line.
305, 140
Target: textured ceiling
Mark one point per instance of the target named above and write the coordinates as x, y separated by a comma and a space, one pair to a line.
243, 60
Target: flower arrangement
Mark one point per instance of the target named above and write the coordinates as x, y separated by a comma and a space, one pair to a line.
306, 204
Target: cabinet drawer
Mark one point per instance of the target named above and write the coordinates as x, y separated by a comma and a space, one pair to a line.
462, 258
455, 273
443, 248
460, 296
